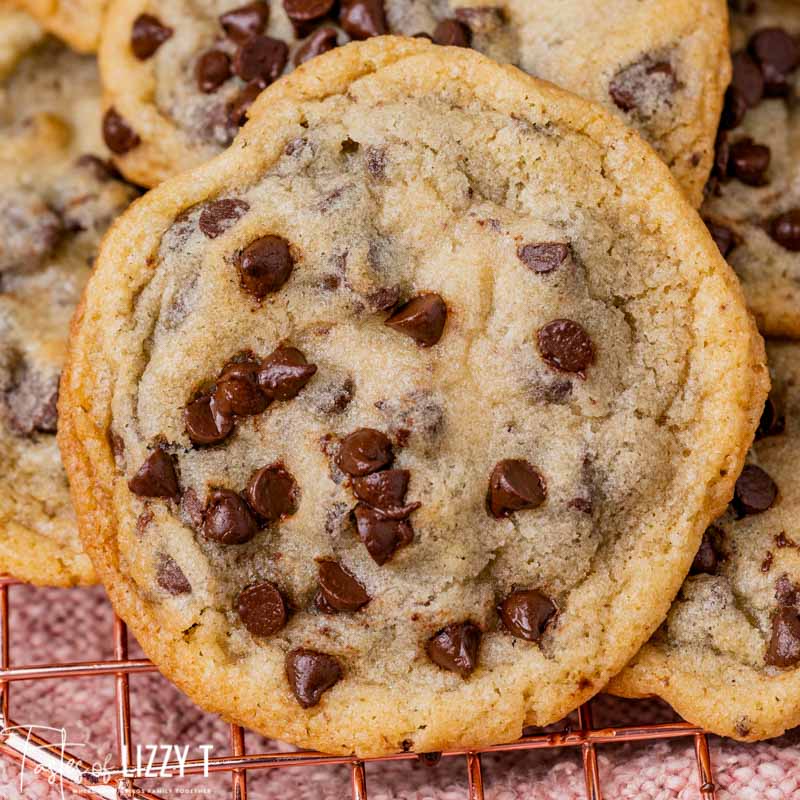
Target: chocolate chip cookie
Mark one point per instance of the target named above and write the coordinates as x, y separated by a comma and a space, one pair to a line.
390, 428
77, 22
56, 200
753, 203
728, 656
180, 76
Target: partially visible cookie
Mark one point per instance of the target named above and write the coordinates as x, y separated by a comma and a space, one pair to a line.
57, 197
753, 205
77, 22
728, 656
179, 76
417, 399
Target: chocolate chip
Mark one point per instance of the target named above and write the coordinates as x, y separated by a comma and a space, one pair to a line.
543, 256
633, 84
147, 35
778, 54
265, 265
455, 648
733, 110
37, 230
238, 107
272, 493
514, 486
119, 137
755, 491
318, 43
262, 609
362, 18
237, 392
381, 536
212, 69
706, 559
747, 79
526, 613
453, 33
566, 346
260, 58
339, 589
785, 230
245, 21
422, 319
218, 216
784, 645
310, 674
156, 477
749, 162
773, 420
386, 492
192, 510
303, 13
227, 518
363, 451
170, 577
205, 422
722, 154
723, 237
787, 593
284, 372
384, 299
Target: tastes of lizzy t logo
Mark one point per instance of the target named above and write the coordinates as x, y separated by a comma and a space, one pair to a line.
54, 760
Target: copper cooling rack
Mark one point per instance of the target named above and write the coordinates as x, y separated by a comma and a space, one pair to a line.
77, 775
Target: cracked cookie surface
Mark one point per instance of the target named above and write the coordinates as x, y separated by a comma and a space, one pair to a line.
56, 202
180, 76
728, 656
373, 422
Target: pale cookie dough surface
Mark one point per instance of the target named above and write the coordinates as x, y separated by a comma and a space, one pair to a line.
77, 22
753, 204
53, 211
662, 67
393, 171
728, 655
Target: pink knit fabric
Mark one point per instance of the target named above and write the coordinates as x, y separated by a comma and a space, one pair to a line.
75, 625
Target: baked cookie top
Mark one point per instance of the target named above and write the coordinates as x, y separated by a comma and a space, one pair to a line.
753, 205
179, 76
56, 200
394, 419
728, 655
77, 22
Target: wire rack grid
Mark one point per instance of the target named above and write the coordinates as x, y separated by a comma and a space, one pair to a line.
115, 783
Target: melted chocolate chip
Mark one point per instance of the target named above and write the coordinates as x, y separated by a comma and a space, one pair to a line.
566, 346
260, 58
262, 609
773, 421
156, 477
723, 237
147, 35
311, 674
205, 422
514, 486
318, 43
747, 80
362, 18
363, 451
272, 493
212, 69
778, 54
227, 519
381, 536
455, 648
451, 32
339, 589
30, 401
265, 265
749, 162
246, 21
785, 230
755, 491
707, 558
386, 492
218, 216
543, 257
119, 137
303, 13
237, 392
784, 645
526, 613
170, 577
422, 319
787, 593
284, 372
634, 83
237, 108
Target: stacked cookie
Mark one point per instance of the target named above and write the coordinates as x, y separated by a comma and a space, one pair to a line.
396, 413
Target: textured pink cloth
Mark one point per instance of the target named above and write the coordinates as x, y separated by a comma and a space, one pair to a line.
75, 625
